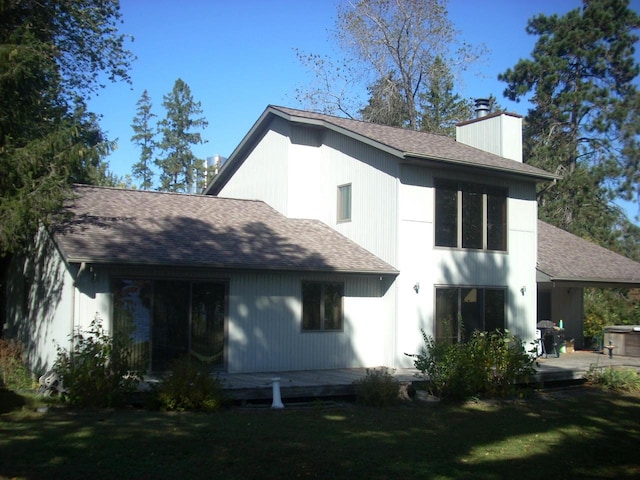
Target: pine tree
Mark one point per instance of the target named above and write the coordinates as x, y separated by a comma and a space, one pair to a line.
178, 164
441, 108
585, 120
144, 137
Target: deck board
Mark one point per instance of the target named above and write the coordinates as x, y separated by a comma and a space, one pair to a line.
341, 382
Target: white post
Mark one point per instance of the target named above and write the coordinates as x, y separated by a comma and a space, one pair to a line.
277, 401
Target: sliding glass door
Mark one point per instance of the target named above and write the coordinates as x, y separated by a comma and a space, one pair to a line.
167, 319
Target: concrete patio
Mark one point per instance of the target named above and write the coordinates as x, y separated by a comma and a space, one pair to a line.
340, 382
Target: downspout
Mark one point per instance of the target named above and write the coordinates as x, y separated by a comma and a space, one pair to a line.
82, 268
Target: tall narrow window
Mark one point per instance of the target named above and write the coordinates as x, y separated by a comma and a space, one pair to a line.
321, 306
496, 221
446, 216
344, 203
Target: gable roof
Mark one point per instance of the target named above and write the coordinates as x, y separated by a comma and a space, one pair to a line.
118, 226
564, 257
403, 143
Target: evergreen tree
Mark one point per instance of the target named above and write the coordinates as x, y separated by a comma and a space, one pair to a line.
386, 106
441, 108
178, 164
585, 120
144, 137
53, 54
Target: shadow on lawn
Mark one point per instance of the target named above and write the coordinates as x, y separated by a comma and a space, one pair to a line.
590, 435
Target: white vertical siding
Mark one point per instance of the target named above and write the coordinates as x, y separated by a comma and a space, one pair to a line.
40, 308
264, 173
265, 333
500, 135
421, 262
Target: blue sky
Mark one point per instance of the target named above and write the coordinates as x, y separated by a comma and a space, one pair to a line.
239, 56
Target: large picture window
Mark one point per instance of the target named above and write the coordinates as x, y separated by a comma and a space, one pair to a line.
470, 216
167, 319
462, 310
321, 306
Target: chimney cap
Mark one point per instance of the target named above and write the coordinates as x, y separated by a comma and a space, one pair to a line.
482, 107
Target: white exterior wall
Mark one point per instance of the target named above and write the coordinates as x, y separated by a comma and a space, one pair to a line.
500, 135
317, 164
45, 304
393, 217
265, 330
263, 176
424, 264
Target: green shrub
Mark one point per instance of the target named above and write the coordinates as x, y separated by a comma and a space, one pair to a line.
377, 388
611, 378
489, 363
95, 372
189, 386
14, 375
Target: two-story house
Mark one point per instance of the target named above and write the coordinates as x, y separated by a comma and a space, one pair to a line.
322, 243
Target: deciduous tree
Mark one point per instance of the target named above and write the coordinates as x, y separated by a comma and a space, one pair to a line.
389, 47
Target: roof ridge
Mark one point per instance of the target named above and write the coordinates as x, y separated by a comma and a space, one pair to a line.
160, 192
355, 120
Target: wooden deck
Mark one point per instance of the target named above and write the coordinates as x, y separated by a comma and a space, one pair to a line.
340, 382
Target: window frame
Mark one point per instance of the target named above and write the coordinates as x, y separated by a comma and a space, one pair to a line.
344, 203
322, 305
458, 332
493, 200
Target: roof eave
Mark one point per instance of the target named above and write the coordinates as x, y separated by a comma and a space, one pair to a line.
594, 282
218, 267
416, 158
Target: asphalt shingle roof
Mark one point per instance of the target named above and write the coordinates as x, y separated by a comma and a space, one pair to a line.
564, 256
119, 226
411, 143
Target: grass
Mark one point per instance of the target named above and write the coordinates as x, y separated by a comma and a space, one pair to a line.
586, 434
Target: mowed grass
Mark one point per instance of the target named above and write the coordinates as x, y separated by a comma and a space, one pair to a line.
586, 434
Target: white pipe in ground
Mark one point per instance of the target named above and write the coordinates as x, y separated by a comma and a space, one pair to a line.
277, 400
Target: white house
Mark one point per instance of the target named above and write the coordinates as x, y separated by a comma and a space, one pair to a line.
323, 243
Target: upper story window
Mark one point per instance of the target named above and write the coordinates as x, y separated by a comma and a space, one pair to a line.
344, 203
321, 306
471, 216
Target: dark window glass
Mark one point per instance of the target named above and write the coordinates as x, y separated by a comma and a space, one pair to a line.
166, 319
132, 318
322, 306
446, 234
311, 304
471, 218
471, 305
497, 221
332, 306
170, 323
447, 314
494, 310
461, 311
207, 322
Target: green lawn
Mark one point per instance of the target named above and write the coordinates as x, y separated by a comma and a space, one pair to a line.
588, 434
